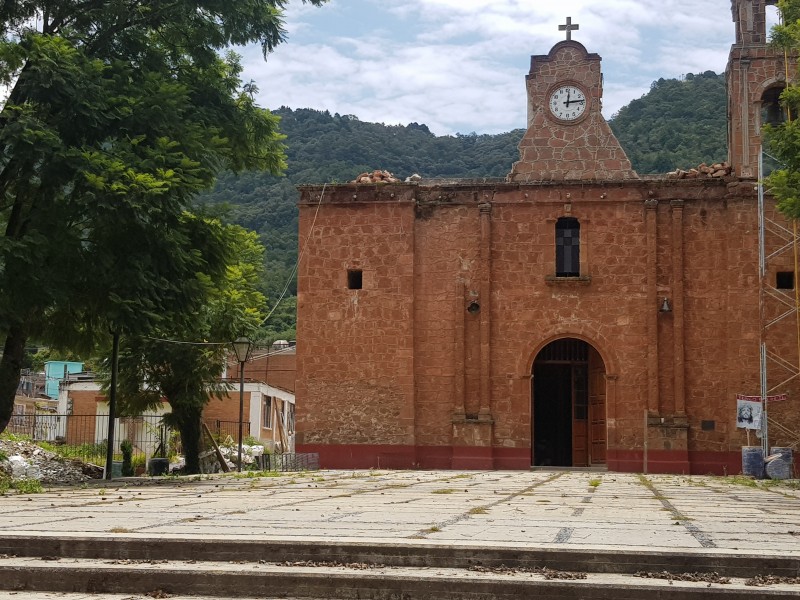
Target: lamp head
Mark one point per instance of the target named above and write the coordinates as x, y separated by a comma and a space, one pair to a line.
241, 348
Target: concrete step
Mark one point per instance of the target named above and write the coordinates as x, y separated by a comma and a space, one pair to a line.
160, 579
402, 553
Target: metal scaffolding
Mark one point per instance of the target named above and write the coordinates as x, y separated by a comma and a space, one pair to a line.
776, 305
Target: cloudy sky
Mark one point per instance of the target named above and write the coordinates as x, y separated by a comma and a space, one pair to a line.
459, 65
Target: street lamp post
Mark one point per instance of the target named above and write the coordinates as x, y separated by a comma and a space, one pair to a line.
241, 347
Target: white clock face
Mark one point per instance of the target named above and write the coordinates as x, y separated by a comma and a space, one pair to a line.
567, 103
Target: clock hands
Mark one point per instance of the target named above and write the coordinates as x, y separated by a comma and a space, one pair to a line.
566, 107
569, 100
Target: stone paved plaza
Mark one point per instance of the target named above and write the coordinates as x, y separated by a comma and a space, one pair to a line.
546, 509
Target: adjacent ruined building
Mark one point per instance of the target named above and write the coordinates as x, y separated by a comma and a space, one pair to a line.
572, 315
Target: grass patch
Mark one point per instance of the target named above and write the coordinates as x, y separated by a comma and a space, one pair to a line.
478, 510
444, 491
595, 481
433, 529
741, 480
27, 486
256, 474
119, 530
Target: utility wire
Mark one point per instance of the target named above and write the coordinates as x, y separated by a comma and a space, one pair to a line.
299, 257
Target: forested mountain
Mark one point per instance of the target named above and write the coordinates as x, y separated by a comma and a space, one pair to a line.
325, 148
678, 123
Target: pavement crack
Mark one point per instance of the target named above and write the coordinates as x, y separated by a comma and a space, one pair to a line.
437, 527
702, 537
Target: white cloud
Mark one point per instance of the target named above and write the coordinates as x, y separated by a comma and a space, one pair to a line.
460, 65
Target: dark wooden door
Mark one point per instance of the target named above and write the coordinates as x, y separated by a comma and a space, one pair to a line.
580, 416
597, 409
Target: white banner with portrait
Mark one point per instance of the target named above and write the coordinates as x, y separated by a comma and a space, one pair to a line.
748, 412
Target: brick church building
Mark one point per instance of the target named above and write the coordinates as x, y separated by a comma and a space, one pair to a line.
573, 314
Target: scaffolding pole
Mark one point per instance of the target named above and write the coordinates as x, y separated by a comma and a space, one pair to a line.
775, 305
762, 283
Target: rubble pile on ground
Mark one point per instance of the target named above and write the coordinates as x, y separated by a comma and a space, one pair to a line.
26, 460
376, 176
722, 169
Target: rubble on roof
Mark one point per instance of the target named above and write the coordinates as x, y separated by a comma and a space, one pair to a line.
376, 176
722, 169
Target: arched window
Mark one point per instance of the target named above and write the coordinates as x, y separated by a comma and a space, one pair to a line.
772, 112
772, 16
568, 247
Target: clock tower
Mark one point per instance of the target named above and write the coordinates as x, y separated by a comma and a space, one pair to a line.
756, 76
567, 138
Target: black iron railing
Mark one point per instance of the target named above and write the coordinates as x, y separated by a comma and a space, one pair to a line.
86, 436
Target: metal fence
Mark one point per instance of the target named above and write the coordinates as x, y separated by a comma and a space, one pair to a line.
301, 461
86, 436
221, 430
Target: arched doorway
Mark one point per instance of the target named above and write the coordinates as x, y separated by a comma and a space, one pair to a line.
569, 405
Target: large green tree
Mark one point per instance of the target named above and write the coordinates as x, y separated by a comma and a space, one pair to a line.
118, 114
162, 366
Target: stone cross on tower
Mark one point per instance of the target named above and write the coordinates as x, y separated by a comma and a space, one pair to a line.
569, 28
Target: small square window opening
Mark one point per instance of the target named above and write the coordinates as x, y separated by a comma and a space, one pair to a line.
784, 280
354, 279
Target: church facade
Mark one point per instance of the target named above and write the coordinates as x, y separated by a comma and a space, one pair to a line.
574, 314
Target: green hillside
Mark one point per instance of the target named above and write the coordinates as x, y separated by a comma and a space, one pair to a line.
678, 123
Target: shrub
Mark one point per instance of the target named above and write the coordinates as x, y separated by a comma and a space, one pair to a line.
127, 456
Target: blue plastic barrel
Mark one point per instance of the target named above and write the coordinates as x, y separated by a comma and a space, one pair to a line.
753, 461
780, 467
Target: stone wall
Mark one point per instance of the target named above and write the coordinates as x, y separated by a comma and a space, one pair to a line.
356, 368
409, 368
584, 149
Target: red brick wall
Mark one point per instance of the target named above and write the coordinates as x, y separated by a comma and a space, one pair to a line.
276, 369
356, 370
227, 408
386, 368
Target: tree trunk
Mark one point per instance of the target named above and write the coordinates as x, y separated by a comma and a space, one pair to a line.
10, 367
191, 430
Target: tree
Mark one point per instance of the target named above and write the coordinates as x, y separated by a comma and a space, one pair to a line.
155, 367
677, 124
118, 114
784, 140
